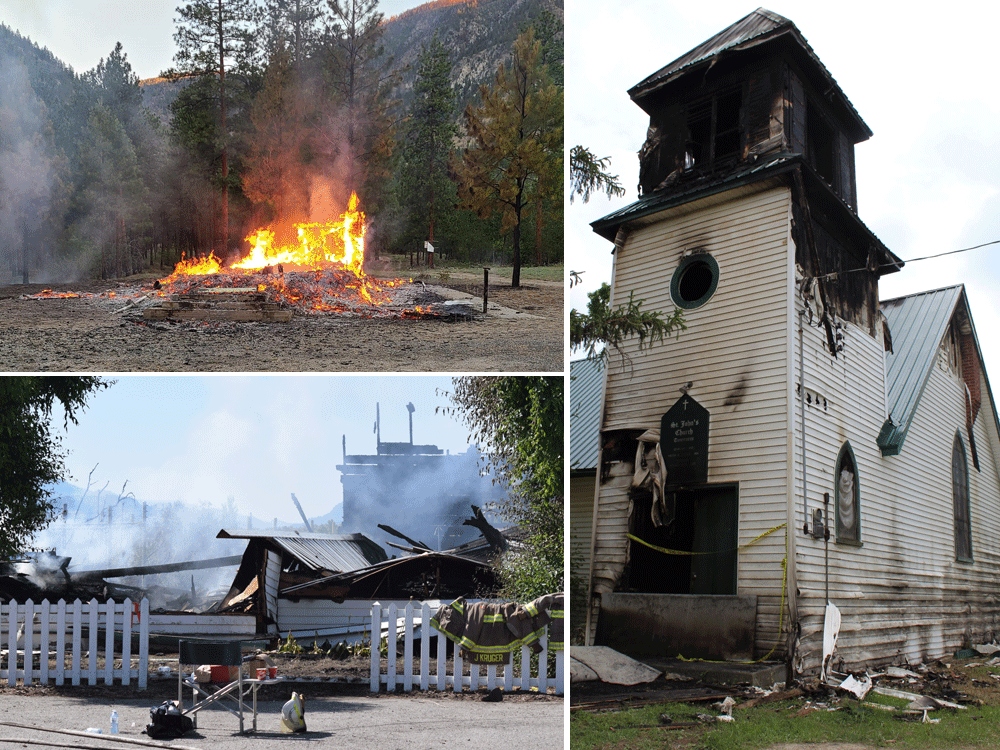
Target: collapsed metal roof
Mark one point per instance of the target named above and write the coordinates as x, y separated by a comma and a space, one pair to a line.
335, 553
427, 575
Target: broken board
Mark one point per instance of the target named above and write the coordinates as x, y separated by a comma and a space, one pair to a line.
235, 305
608, 665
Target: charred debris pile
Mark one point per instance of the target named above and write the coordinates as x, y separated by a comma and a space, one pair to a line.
294, 564
604, 680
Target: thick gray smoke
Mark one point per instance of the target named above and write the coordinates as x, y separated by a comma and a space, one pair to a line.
426, 497
108, 532
25, 173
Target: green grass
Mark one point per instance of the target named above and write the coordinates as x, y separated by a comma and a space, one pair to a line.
786, 722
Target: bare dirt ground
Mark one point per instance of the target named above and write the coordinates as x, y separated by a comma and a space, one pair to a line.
522, 332
315, 675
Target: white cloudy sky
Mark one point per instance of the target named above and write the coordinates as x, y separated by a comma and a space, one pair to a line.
923, 77
81, 32
255, 438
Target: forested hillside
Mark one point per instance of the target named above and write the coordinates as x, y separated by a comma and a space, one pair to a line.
102, 177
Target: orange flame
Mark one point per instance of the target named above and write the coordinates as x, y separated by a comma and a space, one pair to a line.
198, 266
341, 241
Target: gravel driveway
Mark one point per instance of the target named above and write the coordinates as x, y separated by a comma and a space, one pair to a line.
389, 722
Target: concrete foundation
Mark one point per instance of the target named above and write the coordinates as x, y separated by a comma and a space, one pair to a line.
668, 625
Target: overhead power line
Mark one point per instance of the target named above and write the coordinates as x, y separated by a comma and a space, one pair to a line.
835, 274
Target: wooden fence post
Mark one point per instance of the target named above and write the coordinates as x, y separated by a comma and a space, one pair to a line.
12, 643
77, 628
61, 642
143, 643
44, 642
425, 645
29, 640
408, 647
390, 641
376, 661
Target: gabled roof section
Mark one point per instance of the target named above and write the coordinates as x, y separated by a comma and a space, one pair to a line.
336, 553
917, 324
585, 386
759, 27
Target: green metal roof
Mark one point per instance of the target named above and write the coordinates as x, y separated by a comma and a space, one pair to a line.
917, 324
585, 387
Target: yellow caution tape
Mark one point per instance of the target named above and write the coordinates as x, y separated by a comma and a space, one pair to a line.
666, 551
781, 608
784, 581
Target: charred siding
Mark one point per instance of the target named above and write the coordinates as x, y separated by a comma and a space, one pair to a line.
749, 238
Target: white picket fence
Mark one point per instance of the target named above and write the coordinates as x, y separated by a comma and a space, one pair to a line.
65, 639
401, 622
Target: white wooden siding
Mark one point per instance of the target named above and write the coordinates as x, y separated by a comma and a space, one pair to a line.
272, 577
581, 518
316, 620
741, 332
902, 594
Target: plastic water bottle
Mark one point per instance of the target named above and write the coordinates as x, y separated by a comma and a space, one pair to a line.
114, 722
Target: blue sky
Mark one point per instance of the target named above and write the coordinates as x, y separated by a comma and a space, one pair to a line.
928, 178
81, 32
256, 438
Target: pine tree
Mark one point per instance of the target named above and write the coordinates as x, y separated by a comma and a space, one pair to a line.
212, 37
517, 135
429, 140
360, 138
117, 85
294, 25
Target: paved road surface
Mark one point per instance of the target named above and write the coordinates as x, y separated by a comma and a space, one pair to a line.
386, 723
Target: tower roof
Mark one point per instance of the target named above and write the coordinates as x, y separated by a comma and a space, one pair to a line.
762, 26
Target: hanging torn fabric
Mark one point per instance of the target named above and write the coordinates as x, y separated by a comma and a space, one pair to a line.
500, 627
651, 474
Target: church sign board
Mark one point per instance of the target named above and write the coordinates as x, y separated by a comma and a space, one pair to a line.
684, 442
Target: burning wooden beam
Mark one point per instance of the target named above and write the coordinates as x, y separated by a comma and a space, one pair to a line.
145, 570
389, 530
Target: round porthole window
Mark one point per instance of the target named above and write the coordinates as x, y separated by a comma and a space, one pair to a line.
694, 281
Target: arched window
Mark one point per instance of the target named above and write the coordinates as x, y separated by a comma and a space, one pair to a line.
960, 496
848, 494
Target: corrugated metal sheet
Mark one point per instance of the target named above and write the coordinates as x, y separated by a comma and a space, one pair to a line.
337, 553
648, 206
586, 384
917, 324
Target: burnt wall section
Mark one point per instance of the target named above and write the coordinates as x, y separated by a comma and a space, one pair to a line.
743, 106
696, 627
846, 262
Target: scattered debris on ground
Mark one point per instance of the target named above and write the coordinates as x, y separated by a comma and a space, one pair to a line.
925, 692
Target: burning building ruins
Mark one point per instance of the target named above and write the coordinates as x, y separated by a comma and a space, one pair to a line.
424, 491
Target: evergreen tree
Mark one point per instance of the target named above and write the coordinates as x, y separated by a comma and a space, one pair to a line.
279, 143
516, 133
296, 26
519, 421
117, 85
428, 142
212, 37
360, 136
